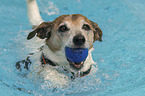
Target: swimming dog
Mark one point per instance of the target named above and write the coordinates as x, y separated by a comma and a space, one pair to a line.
73, 31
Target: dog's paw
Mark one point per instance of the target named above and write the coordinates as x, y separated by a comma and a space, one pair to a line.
23, 64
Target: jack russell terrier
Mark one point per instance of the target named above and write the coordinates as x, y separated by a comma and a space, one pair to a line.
68, 45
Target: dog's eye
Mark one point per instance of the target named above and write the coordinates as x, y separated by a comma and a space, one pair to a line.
63, 28
86, 27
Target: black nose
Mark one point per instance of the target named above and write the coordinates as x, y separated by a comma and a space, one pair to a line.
79, 40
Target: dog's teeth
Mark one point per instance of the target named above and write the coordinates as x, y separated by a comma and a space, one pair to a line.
82, 62
77, 65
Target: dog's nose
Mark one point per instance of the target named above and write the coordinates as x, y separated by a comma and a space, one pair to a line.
79, 40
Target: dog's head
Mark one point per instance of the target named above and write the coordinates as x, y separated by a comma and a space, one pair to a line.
73, 31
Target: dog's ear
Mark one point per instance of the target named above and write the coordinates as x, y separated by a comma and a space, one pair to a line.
97, 31
42, 31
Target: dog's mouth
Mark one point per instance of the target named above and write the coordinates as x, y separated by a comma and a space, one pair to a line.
76, 57
76, 66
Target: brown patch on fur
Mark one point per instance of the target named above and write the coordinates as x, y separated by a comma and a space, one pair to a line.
97, 31
59, 20
41, 31
51, 46
75, 17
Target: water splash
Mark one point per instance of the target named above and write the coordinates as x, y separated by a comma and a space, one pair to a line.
48, 7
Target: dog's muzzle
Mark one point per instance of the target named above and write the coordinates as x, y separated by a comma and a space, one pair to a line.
76, 56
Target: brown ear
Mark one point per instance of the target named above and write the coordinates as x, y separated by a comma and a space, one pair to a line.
43, 31
97, 32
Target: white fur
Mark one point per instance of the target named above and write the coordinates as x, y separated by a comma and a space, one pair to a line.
54, 74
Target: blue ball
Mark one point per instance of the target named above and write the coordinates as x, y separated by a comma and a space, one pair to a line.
76, 55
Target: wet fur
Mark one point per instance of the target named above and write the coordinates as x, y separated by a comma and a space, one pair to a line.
55, 43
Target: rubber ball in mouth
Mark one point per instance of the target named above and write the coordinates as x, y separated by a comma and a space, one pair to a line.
76, 55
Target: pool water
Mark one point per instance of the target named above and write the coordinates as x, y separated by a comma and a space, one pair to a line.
120, 57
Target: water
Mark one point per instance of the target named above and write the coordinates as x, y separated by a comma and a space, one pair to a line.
120, 57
